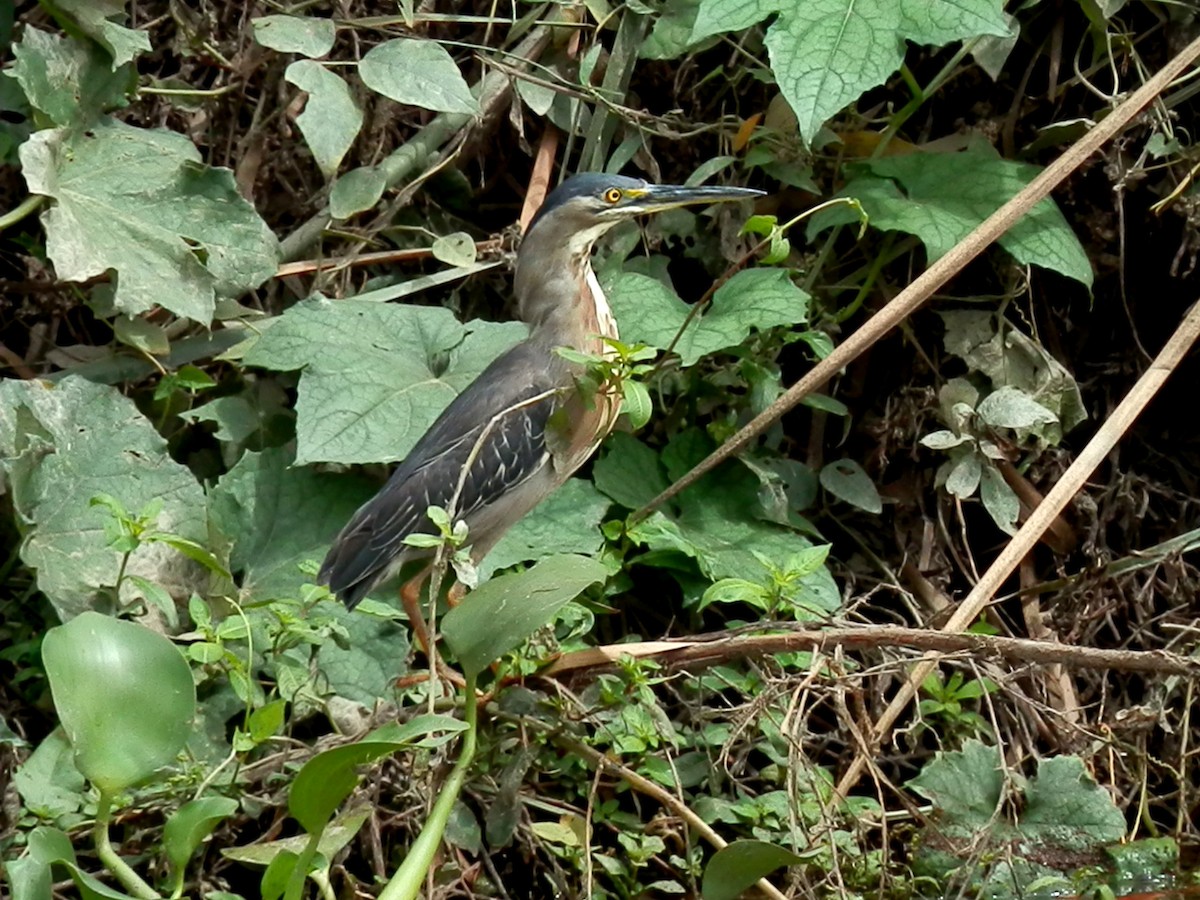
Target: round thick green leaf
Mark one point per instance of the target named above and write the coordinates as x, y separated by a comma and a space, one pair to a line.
124, 695
735, 868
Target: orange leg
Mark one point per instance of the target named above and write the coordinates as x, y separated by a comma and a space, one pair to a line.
410, 598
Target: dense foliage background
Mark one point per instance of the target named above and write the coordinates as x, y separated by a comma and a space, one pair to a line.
251, 250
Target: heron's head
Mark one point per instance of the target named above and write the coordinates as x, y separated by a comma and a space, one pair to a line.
585, 206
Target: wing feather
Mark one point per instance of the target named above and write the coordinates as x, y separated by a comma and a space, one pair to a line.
504, 413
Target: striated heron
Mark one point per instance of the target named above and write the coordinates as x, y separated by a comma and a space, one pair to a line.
522, 427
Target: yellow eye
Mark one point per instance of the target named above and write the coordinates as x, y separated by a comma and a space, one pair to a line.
612, 195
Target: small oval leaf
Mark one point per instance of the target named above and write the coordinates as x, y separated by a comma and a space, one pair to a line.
736, 867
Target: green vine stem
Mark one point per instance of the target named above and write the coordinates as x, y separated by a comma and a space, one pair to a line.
27, 207
407, 882
120, 869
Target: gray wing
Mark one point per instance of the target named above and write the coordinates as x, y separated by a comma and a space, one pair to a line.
512, 396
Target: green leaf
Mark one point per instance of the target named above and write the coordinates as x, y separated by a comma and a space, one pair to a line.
334, 838
1010, 407
307, 35
637, 403
138, 202
999, 500
417, 73
99, 670
827, 53
629, 471
964, 785
754, 299
455, 249
568, 521
941, 197
48, 781
189, 825
331, 119
356, 191
68, 81
328, 778
64, 444
501, 613
964, 476
94, 17
142, 335
49, 846
1066, 808
278, 516
734, 868
846, 480
375, 376
671, 34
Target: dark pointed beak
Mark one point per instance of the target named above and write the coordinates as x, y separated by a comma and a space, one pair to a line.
657, 197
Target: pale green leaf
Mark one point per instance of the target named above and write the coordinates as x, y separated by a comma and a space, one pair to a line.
67, 80
671, 34
964, 476
999, 500
717, 16
418, 73
940, 22
331, 119
142, 334
1064, 807
307, 35
64, 444
138, 202
501, 613
754, 299
189, 825
1010, 407
356, 191
95, 18
637, 403
455, 249
375, 376
965, 787
48, 781
99, 668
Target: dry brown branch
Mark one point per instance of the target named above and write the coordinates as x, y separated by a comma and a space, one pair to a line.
714, 650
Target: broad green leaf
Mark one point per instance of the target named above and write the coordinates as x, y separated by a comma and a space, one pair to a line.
965, 787
61, 445
671, 34
846, 480
328, 778
331, 119
258, 416
138, 202
279, 515
629, 471
1066, 808
29, 879
307, 35
189, 825
941, 197
418, 73
501, 613
651, 313
95, 18
375, 376
735, 868
568, 521
124, 695
827, 53
69, 81
50, 846
365, 671
357, 190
